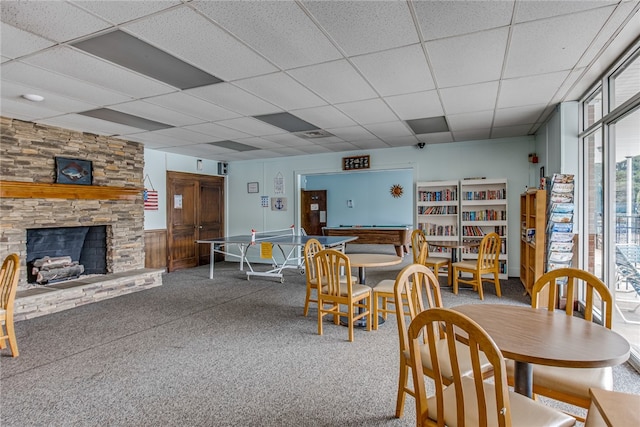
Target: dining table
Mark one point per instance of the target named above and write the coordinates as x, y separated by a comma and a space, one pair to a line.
454, 246
531, 336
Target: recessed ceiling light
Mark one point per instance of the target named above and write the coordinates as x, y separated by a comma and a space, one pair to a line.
33, 97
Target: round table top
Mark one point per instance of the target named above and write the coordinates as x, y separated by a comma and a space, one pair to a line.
453, 244
539, 336
373, 260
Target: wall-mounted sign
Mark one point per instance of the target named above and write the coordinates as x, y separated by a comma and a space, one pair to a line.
355, 162
278, 203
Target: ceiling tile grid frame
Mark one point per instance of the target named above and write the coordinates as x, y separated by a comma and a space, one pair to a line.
360, 68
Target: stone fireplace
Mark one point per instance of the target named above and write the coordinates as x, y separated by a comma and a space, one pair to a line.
31, 200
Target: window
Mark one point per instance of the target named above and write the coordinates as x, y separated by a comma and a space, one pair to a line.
592, 109
625, 82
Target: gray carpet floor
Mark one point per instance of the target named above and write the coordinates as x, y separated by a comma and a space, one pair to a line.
220, 352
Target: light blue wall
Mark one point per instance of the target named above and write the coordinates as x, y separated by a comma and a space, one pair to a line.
370, 193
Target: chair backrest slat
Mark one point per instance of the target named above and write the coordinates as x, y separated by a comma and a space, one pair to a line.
329, 265
311, 248
573, 277
489, 251
417, 239
9, 275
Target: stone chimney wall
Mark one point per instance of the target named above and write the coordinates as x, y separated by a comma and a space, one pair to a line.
27, 154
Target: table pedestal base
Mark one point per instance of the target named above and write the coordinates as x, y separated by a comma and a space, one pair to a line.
523, 379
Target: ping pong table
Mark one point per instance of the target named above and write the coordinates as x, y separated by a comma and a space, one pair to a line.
285, 241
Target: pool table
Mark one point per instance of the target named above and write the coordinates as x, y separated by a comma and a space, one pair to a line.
396, 235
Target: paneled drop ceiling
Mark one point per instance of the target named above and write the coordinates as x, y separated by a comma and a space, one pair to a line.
355, 73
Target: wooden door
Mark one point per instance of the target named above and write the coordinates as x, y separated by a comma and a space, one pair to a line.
195, 210
314, 211
211, 217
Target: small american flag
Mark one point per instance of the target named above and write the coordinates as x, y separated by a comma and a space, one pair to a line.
150, 200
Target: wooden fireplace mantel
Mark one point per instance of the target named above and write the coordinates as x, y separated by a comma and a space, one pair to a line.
34, 190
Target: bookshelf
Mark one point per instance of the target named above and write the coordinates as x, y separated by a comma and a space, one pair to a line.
437, 211
483, 209
533, 208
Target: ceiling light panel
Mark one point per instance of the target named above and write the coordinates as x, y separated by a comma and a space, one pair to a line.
287, 121
187, 34
88, 68
124, 119
134, 54
232, 145
428, 125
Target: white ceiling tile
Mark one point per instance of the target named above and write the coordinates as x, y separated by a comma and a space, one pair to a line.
532, 10
150, 139
621, 13
467, 99
370, 144
119, 12
4, 59
530, 90
393, 129
52, 101
470, 121
268, 26
379, 25
16, 42
251, 126
259, 143
186, 35
315, 149
217, 132
26, 110
545, 46
28, 75
89, 124
184, 136
352, 133
368, 111
416, 105
324, 117
396, 71
481, 52
439, 19
518, 115
193, 106
436, 138
288, 140
55, 20
156, 113
335, 81
507, 131
401, 141
288, 151
76, 64
281, 90
340, 147
471, 135
233, 98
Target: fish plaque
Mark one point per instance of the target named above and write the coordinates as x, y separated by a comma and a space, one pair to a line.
74, 171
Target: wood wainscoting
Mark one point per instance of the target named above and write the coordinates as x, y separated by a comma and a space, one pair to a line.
155, 244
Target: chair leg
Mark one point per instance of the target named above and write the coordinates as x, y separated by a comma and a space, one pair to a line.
13, 344
320, 316
455, 280
350, 315
480, 292
375, 312
306, 301
496, 280
449, 275
5, 337
369, 314
402, 387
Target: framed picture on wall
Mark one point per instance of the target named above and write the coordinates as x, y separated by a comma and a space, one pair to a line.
253, 187
74, 171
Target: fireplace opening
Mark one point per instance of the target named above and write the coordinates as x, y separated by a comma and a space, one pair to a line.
83, 246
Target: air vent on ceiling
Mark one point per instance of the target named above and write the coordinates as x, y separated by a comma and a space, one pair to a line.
312, 134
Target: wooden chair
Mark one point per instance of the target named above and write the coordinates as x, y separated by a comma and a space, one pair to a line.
487, 263
433, 262
9, 276
412, 285
383, 293
571, 385
311, 248
468, 400
332, 291
612, 408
